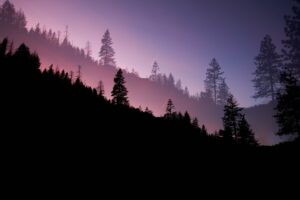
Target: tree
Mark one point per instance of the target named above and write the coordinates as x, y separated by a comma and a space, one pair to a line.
223, 92
231, 118
100, 89
186, 91
179, 85
267, 70
9, 16
107, 52
291, 44
171, 80
213, 77
147, 110
288, 105
187, 118
88, 49
195, 123
169, 109
154, 72
245, 133
119, 92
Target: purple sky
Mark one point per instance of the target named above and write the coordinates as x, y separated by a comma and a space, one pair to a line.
182, 35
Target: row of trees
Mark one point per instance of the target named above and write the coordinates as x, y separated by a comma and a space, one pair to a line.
168, 81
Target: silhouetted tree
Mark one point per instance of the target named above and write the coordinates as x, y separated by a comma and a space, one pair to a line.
291, 50
223, 92
169, 109
245, 134
288, 106
119, 92
204, 130
231, 118
100, 89
107, 52
267, 70
147, 110
154, 72
213, 77
195, 123
187, 118
79, 73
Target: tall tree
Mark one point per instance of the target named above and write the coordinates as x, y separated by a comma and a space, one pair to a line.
119, 92
100, 88
154, 72
213, 77
88, 49
107, 52
288, 106
291, 44
9, 16
231, 118
178, 85
169, 109
223, 92
245, 133
267, 70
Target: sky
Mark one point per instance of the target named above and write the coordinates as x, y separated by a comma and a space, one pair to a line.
181, 35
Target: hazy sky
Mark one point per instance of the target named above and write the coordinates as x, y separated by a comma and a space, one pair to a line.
182, 35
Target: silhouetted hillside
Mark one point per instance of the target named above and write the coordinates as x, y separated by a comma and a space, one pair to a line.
57, 51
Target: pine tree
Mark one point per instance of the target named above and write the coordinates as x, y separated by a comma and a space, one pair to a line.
245, 133
100, 89
179, 85
288, 106
169, 109
119, 92
267, 70
291, 50
88, 49
154, 72
186, 91
187, 118
195, 123
223, 92
107, 52
231, 118
213, 77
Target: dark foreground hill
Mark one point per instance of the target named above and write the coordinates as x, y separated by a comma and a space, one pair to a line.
51, 114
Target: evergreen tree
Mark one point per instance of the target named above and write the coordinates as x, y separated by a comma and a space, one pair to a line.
267, 70
195, 123
107, 52
171, 80
231, 118
187, 118
288, 106
204, 130
119, 92
186, 91
100, 89
169, 109
154, 72
179, 85
213, 77
291, 44
223, 92
88, 49
245, 133
147, 110
9, 17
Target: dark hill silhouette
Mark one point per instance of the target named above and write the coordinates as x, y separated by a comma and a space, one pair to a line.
59, 52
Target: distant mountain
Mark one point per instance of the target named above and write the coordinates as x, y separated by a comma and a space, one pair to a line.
142, 92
